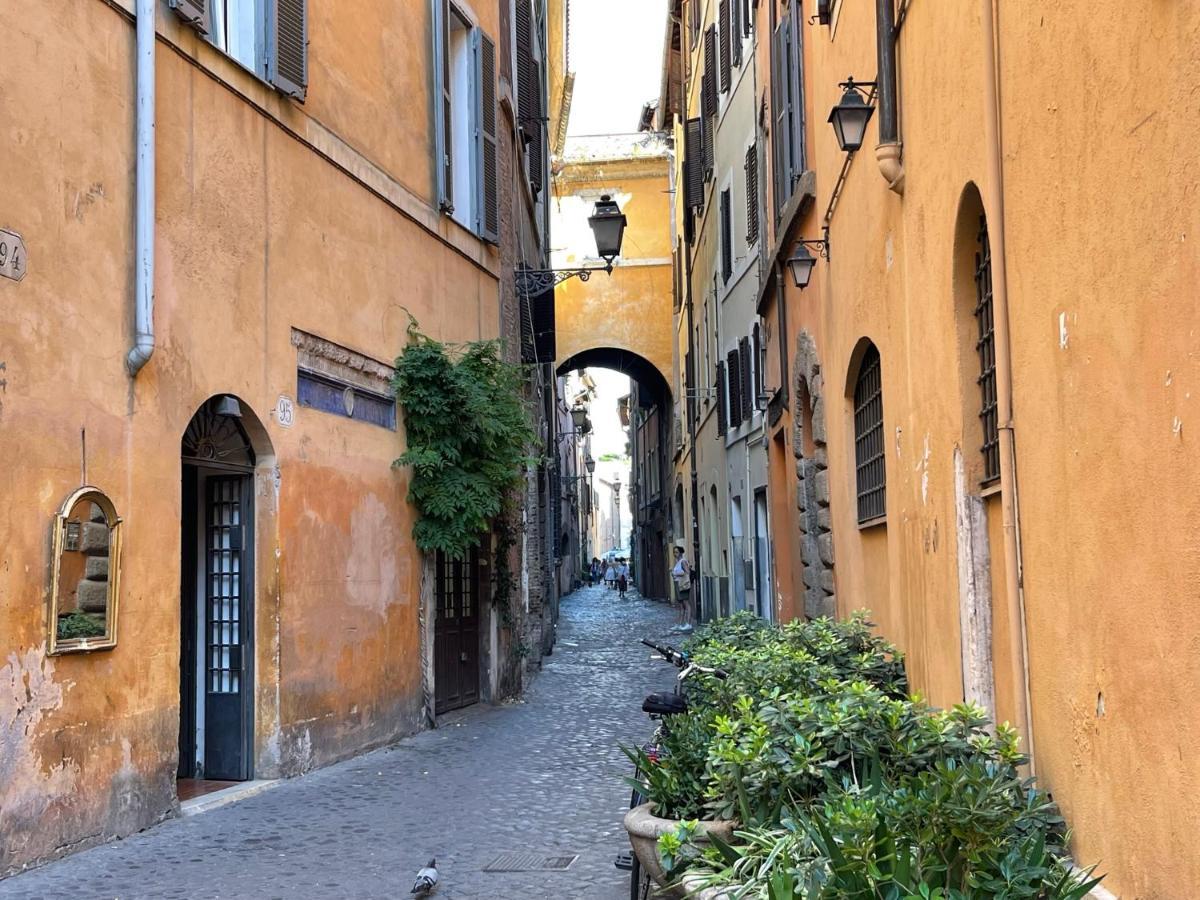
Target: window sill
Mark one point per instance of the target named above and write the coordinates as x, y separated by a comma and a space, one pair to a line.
990, 488
873, 523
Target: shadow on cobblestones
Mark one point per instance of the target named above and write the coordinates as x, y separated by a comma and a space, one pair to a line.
539, 776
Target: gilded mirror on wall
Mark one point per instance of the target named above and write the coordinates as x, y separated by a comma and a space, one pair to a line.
87, 567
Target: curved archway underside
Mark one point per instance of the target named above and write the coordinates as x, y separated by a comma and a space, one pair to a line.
641, 370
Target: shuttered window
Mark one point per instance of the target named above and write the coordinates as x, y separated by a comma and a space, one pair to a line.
726, 237
693, 161
787, 132
694, 20
487, 219
707, 127
530, 108
734, 368
748, 16
749, 364
689, 388
726, 44
466, 138
986, 347
751, 194
287, 46
735, 33
722, 412
870, 468
757, 348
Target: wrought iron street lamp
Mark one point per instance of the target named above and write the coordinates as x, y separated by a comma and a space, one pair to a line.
852, 113
801, 262
608, 225
590, 465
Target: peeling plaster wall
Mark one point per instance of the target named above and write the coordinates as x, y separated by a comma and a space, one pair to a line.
257, 234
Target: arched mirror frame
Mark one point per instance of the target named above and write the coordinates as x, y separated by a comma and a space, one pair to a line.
108, 640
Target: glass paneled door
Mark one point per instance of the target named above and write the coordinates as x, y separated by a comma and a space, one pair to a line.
456, 633
226, 627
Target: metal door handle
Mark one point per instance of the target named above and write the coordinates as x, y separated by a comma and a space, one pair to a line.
462, 657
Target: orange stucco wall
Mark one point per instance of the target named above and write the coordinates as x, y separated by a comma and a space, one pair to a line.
1104, 382
631, 309
270, 216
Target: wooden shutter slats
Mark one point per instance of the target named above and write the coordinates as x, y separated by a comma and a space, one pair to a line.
747, 378
196, 13
726, 237
726, 44
734, 370
722, 414
488, 216
752, 194
693, 161
529, 96
287, 52
735, 32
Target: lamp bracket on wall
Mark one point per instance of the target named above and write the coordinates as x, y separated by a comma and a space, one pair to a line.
532, 282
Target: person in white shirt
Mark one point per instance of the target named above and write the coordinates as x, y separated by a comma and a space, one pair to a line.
622, 577
681, 575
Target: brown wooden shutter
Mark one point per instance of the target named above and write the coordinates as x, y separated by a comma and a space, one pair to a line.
726, 237
197, 13
693, 164
706, 135
689, 388
542, 311
726, 44
287, 47
488, 216
748, 366
756, 343
752, 194
747, 18
722, 416
734, 369
529, 97
710, 69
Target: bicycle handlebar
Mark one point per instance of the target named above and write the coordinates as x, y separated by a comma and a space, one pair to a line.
680, 660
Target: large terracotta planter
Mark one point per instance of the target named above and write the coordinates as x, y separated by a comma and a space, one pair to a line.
644, 830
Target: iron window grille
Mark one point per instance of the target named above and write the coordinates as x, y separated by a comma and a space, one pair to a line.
870, 468
986, 347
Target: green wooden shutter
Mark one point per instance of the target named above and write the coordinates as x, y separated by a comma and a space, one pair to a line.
443, 157
734, 370
197, 13
287, 46
487, 221
748, 366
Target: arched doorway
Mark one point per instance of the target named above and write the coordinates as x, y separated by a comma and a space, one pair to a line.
218, 458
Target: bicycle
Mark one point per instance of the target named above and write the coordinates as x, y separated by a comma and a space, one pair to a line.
659, 706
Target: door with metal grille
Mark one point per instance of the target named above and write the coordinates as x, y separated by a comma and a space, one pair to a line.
227, 629
456, 633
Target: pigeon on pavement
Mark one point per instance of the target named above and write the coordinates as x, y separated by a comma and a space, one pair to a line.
427, 879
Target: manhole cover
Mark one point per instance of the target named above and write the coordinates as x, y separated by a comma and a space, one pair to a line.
529, 862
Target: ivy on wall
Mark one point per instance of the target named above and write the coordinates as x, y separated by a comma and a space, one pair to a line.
468, 437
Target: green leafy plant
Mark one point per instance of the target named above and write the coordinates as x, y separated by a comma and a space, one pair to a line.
79, 624
468, 437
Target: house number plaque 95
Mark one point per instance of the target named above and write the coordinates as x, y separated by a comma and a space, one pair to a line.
12, 255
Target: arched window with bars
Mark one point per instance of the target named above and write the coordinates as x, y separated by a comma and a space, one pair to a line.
869, 454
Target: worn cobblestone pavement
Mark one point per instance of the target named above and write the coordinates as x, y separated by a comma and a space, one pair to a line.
541, 776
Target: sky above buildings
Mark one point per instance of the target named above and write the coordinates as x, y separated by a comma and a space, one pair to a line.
616, 53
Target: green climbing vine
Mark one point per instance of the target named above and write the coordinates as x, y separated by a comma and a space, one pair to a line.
468, 437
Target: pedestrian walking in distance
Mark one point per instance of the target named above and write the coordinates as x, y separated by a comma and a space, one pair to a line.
681, 576
622, 577
610, 575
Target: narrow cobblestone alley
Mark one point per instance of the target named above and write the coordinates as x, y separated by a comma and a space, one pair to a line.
542, 776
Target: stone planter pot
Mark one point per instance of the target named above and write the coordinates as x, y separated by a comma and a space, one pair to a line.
644, 830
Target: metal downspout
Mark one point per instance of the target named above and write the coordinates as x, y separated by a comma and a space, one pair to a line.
888, 153
143, 346
1010, 508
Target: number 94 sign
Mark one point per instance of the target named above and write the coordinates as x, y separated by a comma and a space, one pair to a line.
12, 255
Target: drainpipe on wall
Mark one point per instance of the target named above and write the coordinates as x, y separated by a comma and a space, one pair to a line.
888, 152
1010, 509
143, 346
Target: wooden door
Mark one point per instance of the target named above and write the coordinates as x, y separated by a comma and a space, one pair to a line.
456, 633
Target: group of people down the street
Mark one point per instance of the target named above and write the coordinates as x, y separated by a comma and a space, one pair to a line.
614, 573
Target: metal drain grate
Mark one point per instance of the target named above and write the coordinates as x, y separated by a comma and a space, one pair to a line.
529, 862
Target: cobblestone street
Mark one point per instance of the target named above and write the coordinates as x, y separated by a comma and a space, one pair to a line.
542, 776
